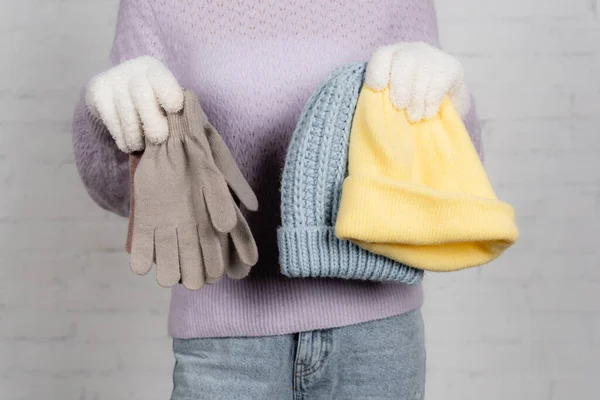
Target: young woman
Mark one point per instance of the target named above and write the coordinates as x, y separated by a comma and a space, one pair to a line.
254, 64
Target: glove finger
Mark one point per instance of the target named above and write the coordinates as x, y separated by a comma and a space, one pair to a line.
226, 164
131, 124
168, 91
435, 96
211, 192
243, 241
134, 160
238, 270
420, 95
190, 257
226, 249
103, 99
235, 267
154, 121
460, 97
167, 257
219, 203
93, 95
402, 79
212, 253
142, 249
377, 76
444, 71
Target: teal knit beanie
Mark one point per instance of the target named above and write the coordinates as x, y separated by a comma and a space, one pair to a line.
311, 187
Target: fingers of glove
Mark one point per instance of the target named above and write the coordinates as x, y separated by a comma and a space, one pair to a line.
460, 97
212, 254
154, 121
92, 96
209, 244
142, 249
420, 96
210, 191
236, 269
243, 241
166, 88
167, 257
448, 74
403, 76
131, 124
190, 257
228, 252
438, 89
379, 67
103, 100
226, 164
219, 203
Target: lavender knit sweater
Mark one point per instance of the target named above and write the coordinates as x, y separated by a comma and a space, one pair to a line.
254, 63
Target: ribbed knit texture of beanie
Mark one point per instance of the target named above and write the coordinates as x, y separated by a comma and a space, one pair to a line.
313, 176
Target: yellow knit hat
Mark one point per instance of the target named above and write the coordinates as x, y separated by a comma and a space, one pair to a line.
417, 192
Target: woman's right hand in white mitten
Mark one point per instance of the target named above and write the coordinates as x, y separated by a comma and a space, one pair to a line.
132, 98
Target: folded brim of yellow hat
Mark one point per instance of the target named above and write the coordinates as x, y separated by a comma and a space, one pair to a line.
422, 227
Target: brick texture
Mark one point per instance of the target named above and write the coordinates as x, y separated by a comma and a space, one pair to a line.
76, 324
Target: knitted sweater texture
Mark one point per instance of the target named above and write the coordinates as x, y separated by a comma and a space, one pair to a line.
254, 64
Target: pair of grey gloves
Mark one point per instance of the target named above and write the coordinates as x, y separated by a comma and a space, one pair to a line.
183, 217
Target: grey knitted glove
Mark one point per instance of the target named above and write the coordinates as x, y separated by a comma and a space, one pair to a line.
186, 220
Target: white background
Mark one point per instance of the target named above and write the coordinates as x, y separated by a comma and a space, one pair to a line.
75, 323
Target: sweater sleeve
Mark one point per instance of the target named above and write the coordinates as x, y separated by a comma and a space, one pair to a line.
473, 125
103, 168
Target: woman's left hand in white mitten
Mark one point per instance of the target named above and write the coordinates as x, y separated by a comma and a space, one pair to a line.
132, 100
419, 77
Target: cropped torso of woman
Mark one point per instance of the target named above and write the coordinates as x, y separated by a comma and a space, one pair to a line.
253, 65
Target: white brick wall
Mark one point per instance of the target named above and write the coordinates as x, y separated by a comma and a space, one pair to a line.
76, 324
527, 326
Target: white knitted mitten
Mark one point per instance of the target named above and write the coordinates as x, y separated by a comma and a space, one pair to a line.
131, 100
419, 76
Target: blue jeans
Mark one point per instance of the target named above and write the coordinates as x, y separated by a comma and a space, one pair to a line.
383, 359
